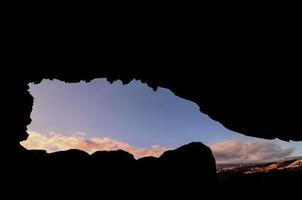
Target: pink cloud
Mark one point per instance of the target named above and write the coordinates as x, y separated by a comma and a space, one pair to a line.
57, 142
232, 151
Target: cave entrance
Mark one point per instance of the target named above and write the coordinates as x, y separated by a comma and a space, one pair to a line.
98, 116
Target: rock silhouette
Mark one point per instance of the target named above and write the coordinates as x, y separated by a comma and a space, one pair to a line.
112, 156
187, 165
189, 161
72, 155
175, 172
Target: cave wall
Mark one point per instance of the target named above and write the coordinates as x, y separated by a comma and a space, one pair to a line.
249, 82
249, 101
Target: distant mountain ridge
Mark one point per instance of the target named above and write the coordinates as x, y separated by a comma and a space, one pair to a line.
230, 166
288, 164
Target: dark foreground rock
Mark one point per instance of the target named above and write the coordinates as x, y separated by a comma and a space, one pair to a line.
188, 169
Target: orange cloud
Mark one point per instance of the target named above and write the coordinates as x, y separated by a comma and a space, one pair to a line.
57, 142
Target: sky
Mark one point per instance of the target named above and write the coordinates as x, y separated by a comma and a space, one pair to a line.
101, 116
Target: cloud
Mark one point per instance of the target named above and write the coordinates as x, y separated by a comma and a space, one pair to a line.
81, 133
233, 151
57, 142
248, 152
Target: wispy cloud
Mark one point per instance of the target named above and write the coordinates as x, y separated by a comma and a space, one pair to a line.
247, 152
57, 142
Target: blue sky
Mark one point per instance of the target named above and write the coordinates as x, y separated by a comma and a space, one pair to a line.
133, 114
